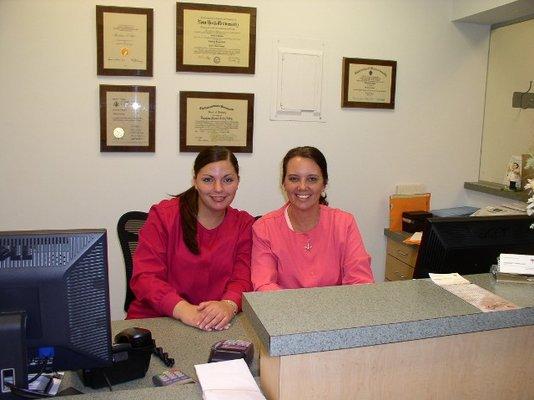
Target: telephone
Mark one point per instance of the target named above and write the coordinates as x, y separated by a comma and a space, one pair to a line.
132, 350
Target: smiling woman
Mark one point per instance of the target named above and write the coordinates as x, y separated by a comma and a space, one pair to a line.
192, 262
306, 243
216, 185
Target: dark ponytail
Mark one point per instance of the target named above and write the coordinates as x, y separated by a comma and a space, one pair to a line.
189, 198
188, 218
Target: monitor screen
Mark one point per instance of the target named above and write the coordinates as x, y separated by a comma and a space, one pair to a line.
471, 245
59, 281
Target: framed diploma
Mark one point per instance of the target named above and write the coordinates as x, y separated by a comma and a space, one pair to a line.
223, 119
215, 38
368, 83
124, 37
127, 118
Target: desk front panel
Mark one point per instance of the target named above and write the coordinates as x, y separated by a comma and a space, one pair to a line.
484, 365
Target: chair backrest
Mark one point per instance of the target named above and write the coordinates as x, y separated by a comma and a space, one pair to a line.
128, 230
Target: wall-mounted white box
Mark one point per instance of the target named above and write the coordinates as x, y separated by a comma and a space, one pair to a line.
297, 81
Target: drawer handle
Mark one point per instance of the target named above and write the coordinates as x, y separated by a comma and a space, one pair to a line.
402, 253
399, 274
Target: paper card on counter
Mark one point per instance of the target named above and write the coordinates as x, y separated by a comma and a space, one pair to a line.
481, 298
448, 279
227, 380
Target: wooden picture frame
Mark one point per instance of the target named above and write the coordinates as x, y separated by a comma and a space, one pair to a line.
368, 83
216, 118
215, 38
127, 118
125, 41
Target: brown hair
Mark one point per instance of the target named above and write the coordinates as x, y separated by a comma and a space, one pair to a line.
313, 154
189, 198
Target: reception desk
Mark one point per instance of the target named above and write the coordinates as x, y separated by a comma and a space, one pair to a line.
395, 340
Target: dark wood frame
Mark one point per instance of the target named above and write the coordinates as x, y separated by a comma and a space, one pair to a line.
249, 97
100, 10
180, 66
345, 83
151, 90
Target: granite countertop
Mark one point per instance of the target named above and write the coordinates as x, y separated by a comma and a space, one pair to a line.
187, 345
329, 318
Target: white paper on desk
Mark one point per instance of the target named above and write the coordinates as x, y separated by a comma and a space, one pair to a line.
52, 381
448, 279
414, 239
516, 264
481, 298
227, 380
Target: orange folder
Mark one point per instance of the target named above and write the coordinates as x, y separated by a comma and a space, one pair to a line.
399, 203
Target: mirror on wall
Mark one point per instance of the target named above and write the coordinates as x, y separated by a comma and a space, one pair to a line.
508, 131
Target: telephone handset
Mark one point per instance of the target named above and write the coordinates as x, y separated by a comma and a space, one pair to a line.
134, 338
140, 337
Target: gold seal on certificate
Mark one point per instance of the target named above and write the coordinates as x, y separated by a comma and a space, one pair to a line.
124, 40
368, 83
118, 132
223, 119
127, 118
213, 38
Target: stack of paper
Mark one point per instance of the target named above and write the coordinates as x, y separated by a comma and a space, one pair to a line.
515, 268
516, 264
227, 380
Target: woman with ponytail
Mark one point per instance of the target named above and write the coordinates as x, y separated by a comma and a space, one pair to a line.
306, 243
192, 262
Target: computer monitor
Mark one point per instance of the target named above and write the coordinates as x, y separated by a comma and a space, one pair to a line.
471, 245
56, 284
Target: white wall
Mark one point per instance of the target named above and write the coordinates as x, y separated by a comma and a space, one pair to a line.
53, 175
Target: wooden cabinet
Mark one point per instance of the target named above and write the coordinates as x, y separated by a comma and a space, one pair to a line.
400, 257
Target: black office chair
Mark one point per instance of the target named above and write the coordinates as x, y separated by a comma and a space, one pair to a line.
128, 229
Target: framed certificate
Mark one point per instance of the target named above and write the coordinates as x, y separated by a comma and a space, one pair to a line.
368, 83
223, 119
127, 118
215, 38
124, 37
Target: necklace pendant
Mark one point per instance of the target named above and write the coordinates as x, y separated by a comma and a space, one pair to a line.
308, 246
